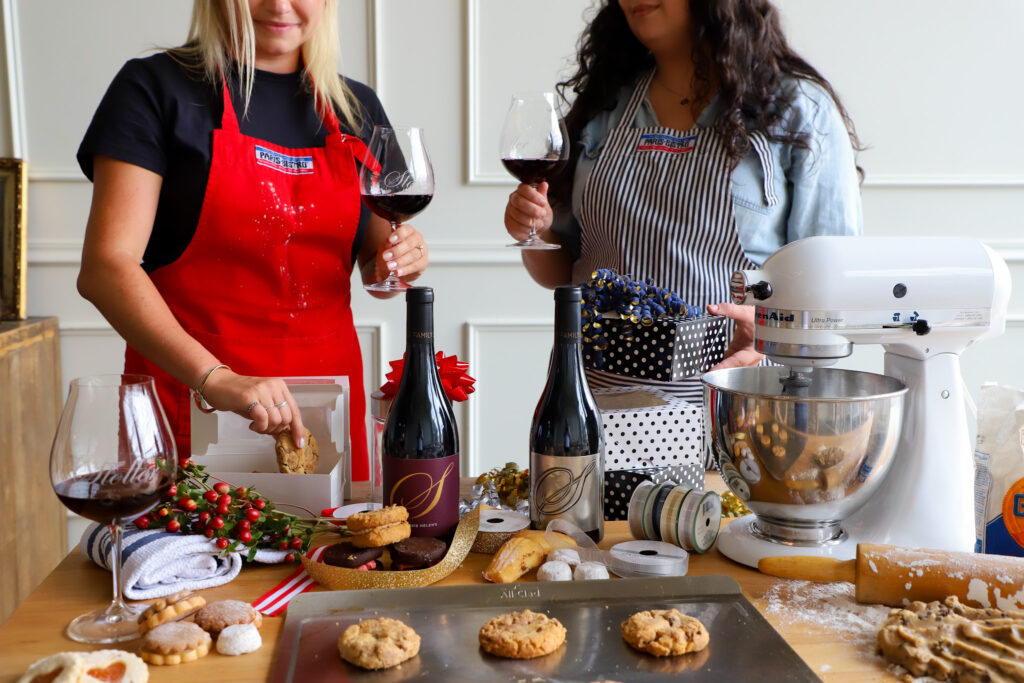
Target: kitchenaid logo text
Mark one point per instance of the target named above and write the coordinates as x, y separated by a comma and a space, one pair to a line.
774, 316
292, 165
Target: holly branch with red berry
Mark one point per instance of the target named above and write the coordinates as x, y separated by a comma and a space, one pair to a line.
236, 518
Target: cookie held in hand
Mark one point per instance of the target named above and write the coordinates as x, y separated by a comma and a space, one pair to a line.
294, 460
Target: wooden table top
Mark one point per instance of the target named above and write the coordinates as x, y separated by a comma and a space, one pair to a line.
36, 629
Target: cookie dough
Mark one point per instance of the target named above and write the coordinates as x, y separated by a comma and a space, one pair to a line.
952, 642
522, 635
378, 643
664, 632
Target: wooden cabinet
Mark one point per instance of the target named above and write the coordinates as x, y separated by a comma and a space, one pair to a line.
33, 523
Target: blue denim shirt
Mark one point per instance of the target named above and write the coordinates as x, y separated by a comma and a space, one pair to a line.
817, 188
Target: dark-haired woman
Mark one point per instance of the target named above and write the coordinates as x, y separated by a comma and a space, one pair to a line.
701, 144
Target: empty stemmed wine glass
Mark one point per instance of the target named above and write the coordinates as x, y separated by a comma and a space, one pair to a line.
113, 459
396, 182
534, 147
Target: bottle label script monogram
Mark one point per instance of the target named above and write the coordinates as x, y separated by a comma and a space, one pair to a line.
421, 491
559, 489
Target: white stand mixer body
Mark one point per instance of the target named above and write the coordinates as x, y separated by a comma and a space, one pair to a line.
924, 300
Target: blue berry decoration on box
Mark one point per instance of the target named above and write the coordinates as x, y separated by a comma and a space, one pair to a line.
641, 330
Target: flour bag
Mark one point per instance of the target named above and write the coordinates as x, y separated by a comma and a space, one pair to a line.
999, 471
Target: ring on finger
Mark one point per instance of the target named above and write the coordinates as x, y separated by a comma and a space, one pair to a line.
248, 411
421, 248
281, 404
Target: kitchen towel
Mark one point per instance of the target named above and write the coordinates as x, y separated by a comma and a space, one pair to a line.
157, 563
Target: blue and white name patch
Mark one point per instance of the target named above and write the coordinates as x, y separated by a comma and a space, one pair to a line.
657, 142
284, 162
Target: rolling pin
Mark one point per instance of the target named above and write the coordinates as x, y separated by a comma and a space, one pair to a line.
895, 576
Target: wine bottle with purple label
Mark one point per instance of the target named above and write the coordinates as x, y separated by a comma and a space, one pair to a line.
567, 436
420, 444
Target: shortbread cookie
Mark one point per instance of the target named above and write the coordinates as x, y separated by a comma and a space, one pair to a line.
665, 632
378, 643
294, 460
554, 570
171, 608
522, 635
217, 616
377, 528
174, 643
239, 639
63, 667
103, 666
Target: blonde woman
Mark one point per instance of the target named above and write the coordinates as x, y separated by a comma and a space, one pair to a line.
226, 219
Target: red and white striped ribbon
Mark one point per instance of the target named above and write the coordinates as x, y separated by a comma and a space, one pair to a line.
276, 600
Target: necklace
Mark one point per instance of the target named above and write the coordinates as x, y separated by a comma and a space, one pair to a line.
684, 99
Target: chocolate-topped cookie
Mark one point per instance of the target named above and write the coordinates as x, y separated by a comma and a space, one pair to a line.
346, 555
417, 553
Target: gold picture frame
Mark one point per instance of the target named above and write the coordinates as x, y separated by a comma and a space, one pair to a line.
13, 238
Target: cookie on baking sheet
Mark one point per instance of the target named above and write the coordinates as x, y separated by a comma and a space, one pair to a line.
171, 608
522, 635
103, 666
378, 643
294, 460
174, 643
217, 616
63, 667
665, 632
377, 528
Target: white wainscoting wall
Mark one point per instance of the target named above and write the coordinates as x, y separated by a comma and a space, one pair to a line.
932, 85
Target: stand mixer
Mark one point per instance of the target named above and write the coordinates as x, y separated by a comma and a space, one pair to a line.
826, 458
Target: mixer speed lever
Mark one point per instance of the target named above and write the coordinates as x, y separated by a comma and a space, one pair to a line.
921, 327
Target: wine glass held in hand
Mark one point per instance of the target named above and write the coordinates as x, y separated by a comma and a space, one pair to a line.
534, 147
396, 181
113, 459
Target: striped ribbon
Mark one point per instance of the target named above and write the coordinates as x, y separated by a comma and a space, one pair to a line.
276, 600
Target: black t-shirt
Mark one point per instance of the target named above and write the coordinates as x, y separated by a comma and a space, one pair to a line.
161, 116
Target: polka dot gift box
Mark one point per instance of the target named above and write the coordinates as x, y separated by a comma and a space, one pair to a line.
649, 435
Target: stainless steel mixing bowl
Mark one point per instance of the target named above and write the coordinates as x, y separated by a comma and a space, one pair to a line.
802, 455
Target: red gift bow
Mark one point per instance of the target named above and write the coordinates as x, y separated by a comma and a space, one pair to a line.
457, 384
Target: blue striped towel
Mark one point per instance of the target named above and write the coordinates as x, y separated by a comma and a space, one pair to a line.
158, 563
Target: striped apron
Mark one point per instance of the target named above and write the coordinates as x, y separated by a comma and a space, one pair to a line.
658, 204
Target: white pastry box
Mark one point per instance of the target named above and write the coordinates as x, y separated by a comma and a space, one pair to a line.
223, 443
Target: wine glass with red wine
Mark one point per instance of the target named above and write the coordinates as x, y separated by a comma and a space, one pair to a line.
534, 147
113, 459
396, 181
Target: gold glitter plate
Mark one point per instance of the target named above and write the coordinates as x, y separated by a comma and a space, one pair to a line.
339, 578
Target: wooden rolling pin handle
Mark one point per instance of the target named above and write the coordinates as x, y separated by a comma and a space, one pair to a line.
809, 568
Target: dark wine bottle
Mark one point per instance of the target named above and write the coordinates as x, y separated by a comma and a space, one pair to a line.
567, 437
420, 444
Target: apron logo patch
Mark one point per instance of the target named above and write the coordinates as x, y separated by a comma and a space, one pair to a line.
656, 142
283, 162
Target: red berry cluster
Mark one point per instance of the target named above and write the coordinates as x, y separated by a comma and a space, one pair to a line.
235, 518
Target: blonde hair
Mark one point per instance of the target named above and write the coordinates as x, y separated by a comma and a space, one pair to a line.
222, 35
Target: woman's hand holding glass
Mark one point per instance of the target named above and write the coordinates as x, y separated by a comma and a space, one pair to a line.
403, 252
527, 212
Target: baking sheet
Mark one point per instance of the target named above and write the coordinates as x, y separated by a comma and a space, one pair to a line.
448, 618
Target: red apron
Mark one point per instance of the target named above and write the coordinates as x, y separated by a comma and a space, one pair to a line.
265, 282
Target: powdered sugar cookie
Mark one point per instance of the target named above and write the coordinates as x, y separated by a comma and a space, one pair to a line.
239, 639
568, 555
554, 570
590, 570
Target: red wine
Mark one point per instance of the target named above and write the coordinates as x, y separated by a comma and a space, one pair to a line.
567, 436
397, 208
533, 171
106, 497
420, 443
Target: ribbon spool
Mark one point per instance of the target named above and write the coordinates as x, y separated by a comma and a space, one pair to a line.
675, 514
496, 527
627, 560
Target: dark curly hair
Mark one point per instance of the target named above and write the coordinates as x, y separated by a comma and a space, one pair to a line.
738, 47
